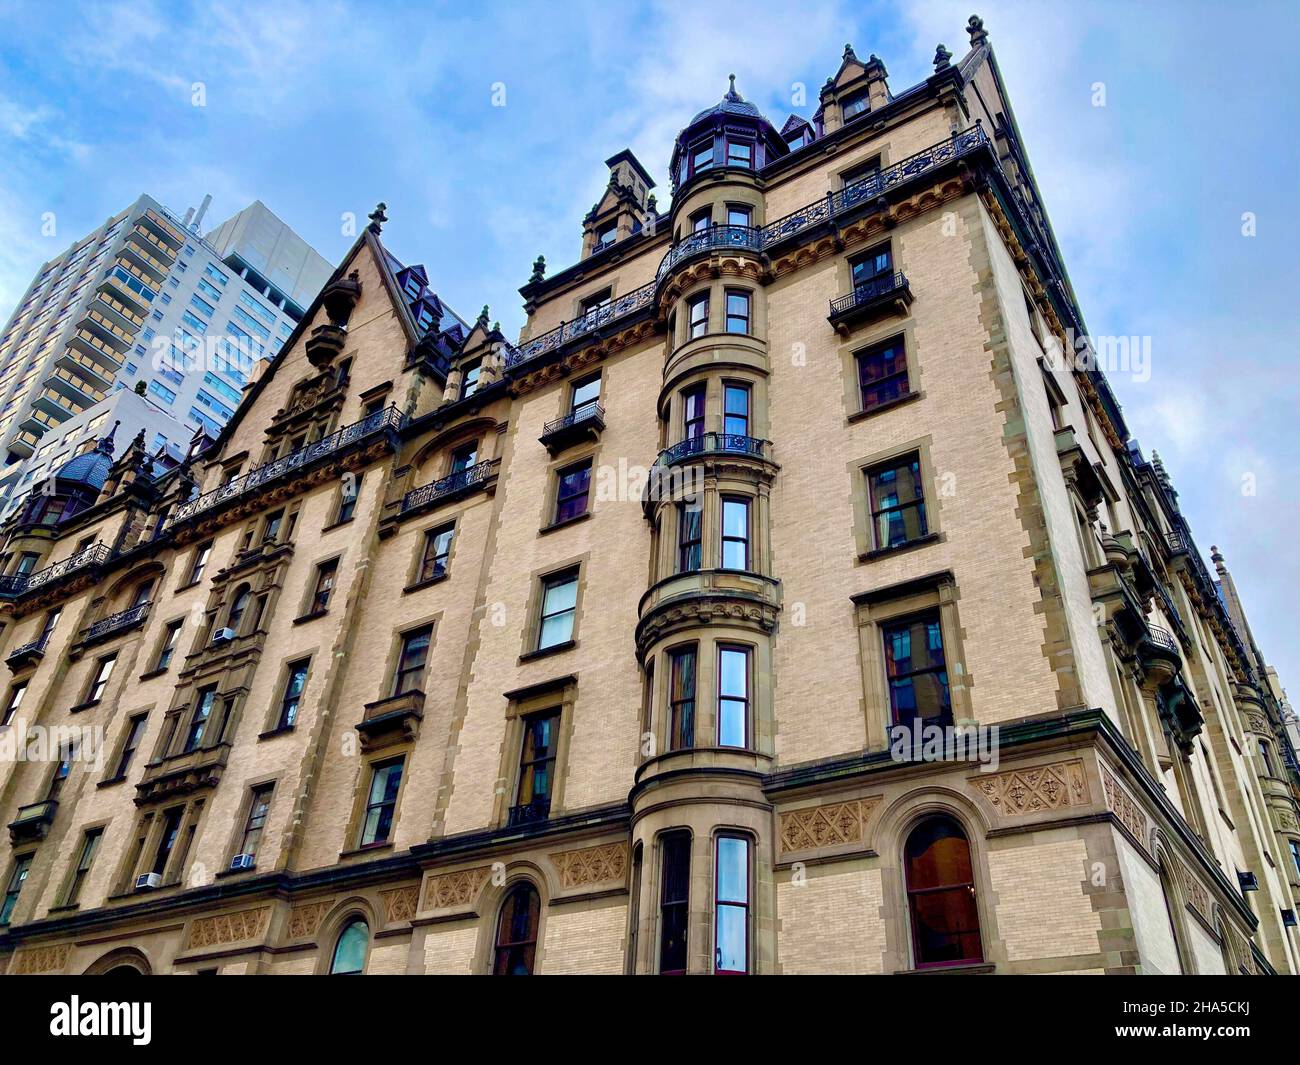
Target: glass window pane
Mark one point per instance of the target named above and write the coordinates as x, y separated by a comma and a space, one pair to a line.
563, 595
733, 869
350, 952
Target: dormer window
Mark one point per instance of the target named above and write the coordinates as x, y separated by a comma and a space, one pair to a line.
857, 104
424, 318
797, 140
470, 385
413, 286
702, 156
740, 153
606, 236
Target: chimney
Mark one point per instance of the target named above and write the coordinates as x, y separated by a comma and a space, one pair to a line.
203, 209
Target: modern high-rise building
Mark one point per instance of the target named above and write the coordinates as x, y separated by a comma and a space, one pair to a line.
784, 600
145, 304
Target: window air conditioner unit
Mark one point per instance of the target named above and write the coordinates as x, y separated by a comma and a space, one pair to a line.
241, 861
145, 881
223, 635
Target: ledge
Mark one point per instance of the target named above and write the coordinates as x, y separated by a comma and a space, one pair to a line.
546, 652
880, 408
556, 525
900, 549
302, 619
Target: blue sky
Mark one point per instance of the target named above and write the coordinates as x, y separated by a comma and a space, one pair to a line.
322, 108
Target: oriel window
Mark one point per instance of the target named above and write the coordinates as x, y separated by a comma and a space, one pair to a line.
731, 906
733, 697
681, 699
735, 533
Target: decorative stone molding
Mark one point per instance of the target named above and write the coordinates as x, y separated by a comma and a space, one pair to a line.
1031, 791
1123, 807
601, 864
41, 960
836, 824
228, 927
401, 903
460, 888
305, 919
1197, 897
703, 610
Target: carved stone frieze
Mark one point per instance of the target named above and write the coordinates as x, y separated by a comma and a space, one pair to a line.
1037, 789
835, 824
460, 888
602, 864
228, 927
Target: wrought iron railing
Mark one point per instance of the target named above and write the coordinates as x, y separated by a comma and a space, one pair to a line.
708, 443
470, 477
710, 239
530, 813
1162, 638
93, 555
869, 188
586, 412
26, 650
123, 619
387, 419
868, 292
612, 311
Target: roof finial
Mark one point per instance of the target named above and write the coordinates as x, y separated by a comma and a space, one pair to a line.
539, 269
731, 92
106, 442
941, 59
978, 34
378, 218
849, 53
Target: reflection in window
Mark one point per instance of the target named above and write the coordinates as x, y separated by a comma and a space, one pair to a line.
897, 503
350, 951
516, 942
731, 906
941, 895
733, 696
917, 673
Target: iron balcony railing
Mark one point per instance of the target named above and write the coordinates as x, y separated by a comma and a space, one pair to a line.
33, 648
869, 292
123, 619
710, 239
1162, 638
612, 311
387, 419
710, 443
461, 480
586, 412
93, 555
530, 813
960, 144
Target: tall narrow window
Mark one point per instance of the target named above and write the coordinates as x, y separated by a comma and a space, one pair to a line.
537, 768
731, 906
464, 457
941, 895
199, 719
294, 685
516, 940
674, 902
99, 683
693, 412
697, 315
469, 384
737, 311
26, 563
171, 828
258, 808
348, 495
437, 553
412, 660
349, 957
381, 802
271, 530
702, 156
171, 636
143, 591
585, 392
897, 503
134, 734
60, 775
733, 697
238, 608
15, 702
690, 536
326, 572
681, 700
201, 555
559, 605
735, 410
572, 491
47, 630
882, 374
1295, 855
14, 887
85, 857
701, 220
735, 533
918, 675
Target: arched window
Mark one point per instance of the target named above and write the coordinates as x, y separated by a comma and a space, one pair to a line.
1167, 894
350, 949
941, 895
238, 607
516, 942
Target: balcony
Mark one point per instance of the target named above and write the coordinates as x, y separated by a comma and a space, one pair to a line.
179, 774
57, 405
74, 363
73, 387
393, 720
115, 311
590, 324
116, 623
24, 443
97, 348
530, 813
150, 267
374, 426
581, 423
163, 228
870, 300
27, 654
326, 344
96, 321
452, 486
33, 821
713, 444
128, 289
37, 421
21, 584
706, 241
